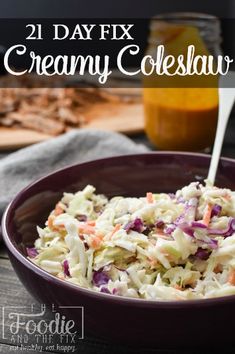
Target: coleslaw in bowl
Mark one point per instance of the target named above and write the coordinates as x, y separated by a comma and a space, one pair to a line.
123, 319
162, 246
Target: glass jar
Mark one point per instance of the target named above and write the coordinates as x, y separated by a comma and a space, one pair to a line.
182, 118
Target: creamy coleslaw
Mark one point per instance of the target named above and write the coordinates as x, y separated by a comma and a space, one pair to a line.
160, 247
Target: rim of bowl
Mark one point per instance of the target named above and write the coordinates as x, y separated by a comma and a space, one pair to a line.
92, 293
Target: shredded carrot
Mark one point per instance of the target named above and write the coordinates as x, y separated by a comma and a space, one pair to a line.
149, 197
99, 234
91, 223
207, 214
50, 223
231, 277
58, 210
87, 229
116, 228
96, 241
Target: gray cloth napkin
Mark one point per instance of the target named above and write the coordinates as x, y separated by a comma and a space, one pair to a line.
18, 169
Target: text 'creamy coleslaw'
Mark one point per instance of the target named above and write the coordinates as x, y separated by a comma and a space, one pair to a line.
160, 247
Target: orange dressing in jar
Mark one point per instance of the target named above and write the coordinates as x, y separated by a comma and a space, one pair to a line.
180, 118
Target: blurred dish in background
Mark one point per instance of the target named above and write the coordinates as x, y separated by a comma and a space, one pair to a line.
183, 118
29, 114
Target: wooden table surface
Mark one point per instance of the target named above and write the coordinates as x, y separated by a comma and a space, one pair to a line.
12, 293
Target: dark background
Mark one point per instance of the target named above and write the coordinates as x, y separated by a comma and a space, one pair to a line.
119, 8
111, 8
145, 9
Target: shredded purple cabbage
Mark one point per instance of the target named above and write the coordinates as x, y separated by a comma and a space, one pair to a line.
225, 232
135, 225
198, 225
105, 290
216, 210
180, 200
159, 224
189, 213
180, 219
169, 229
202, 254
100, 277
213, 244
31, 252
189, 229
66, 268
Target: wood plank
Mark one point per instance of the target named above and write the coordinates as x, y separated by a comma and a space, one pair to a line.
17, 138
123, 118
127, 119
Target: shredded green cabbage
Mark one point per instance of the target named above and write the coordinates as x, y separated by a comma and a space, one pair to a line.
159, 247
